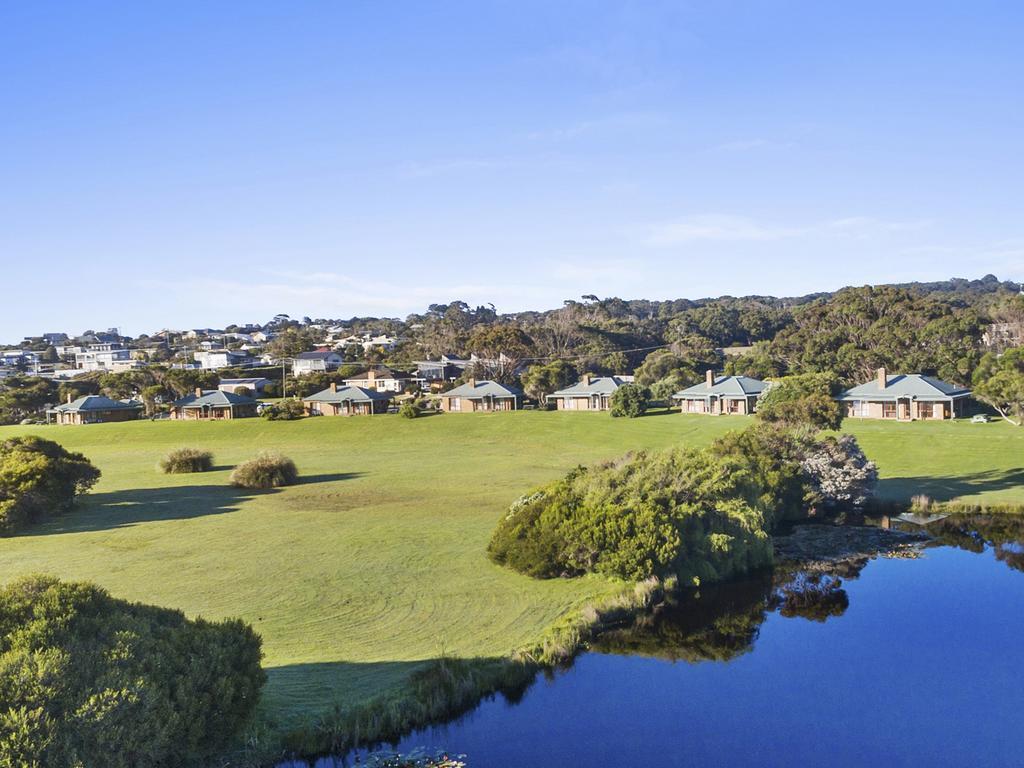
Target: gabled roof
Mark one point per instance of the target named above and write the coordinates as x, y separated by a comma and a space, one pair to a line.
241, 382
381, 372
213, 398
912, 385
599, 385
95, 403
481, 389
347, 394
316, 355
734, 386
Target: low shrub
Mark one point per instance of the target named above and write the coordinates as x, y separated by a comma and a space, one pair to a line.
630, 400
286, 410
268, 470
39, 478
89, 680
409, 410
185, 460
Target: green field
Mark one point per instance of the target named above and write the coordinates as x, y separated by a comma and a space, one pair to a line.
375, 563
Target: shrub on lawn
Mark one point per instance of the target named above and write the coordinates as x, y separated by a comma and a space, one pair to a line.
409, 409
268, 470
286, 410
86, 679
38, 478
184, 460
630, 400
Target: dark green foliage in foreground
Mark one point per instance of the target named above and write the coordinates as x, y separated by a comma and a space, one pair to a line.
410, 409
802, 400
630, 400
286, 410
268, 470
39, 478
88, 680
682, 512
186, 460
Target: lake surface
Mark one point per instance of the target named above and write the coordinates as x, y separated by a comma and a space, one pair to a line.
899, 662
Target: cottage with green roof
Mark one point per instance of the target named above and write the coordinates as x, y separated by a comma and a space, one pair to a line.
475, 396
722, 395
591, 393
346, 401
94, 409
213, 404
905, 397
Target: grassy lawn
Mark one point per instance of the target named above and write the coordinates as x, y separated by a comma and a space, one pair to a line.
375, 563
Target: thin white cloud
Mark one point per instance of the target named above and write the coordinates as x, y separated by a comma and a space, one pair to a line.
720, 227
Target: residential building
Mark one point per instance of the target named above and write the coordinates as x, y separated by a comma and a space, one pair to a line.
213, 359
316, 362
591, 393
905, 397
102, 357
481, 396
382, 379
94, 409
722, 395
214, 405
346, 401
254, 385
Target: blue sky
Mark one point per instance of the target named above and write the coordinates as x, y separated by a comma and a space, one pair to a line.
190, 164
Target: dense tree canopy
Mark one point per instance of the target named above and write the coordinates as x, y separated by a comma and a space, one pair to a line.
802, 400
999, 381
88, 680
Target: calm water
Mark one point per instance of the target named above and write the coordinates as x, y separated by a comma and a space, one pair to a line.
908, 662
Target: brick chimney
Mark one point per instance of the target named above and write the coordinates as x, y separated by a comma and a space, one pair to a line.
371, 376
709, 378
199, 391
69, 398
334, 386
586, 379
883, 380
472, 383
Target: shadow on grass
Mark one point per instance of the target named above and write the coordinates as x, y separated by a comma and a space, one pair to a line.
123, 509
950, 487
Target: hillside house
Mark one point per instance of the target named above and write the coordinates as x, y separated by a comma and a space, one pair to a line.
346, 401
254, 385
381, 379
905, 397
591, 393
316, 362
94, 409
212, 404
720, 395
477, 396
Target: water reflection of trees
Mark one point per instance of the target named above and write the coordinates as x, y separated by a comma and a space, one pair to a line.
1004, 534
722, 622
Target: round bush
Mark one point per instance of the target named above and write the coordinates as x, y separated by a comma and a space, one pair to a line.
184, 460
409, 410
268, 470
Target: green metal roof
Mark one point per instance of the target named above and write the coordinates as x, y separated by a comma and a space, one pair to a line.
724, 386
599, 385
903, 385
347, 394
482, 389
213, 398
94, 403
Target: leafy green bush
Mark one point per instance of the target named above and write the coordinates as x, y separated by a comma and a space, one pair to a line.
678, 512
88, 680
409, 409
268, 470
804, 400
630, 400
38, 478
286, 410
186, 460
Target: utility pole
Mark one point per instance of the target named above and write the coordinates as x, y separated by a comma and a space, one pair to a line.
284, 380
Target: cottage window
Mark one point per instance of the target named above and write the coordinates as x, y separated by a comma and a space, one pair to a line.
888, 410
455, 403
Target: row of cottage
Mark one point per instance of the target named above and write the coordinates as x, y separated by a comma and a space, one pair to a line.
903, 397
